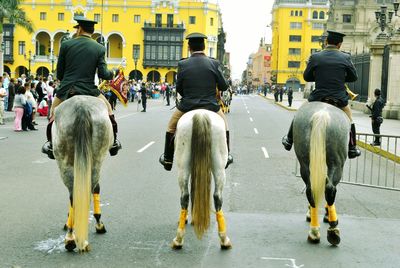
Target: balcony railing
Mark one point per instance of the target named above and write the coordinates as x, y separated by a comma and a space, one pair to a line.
157, 25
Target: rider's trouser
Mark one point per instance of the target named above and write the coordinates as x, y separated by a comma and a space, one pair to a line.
173, 122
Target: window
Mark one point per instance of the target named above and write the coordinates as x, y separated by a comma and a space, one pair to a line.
211, 21
170, 20
321, 15
292, 13
60, 16
136, 52
346, 18
315, 38
97, 17
301, 13
192, 19
314, 50
315, 15
296, 13
136, 19
295, 25
115, 17
318, 26
294, 38
7, 47
294, 51
21, 47
211, 52
158, 20
293, 64
42, 15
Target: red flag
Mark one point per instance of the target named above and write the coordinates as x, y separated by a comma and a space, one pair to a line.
119, 85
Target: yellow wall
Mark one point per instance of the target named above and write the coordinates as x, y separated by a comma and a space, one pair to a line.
123, 34
280, 40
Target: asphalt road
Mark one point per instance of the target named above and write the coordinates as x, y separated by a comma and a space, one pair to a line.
263, 203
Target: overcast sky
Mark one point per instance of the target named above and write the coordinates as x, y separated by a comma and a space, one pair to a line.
245, 23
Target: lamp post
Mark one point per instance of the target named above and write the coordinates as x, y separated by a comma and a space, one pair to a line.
136, 54
30, 59
51, 58
384, 17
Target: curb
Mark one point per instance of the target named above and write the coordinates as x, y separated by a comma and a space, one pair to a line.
279, 104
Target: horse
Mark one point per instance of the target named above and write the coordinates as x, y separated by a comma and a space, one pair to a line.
321, 136
82, 135
201, 153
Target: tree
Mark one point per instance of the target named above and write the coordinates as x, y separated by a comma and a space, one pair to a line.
12, 13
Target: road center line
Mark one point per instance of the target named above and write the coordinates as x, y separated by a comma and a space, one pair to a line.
251, 119
265, 152
145, 147
248, 111
255, 131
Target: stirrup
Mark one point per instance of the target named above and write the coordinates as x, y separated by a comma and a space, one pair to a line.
165, 162
287, 143
47, 148
354, 152
115, 147
230, 161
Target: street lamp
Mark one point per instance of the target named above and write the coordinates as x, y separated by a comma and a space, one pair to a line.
136, 55
384, 17
30, 59
52, 58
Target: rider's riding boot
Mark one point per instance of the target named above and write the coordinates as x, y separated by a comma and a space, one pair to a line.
117, 145
230, 158
353, 150
47, 147
167, 157
287, 140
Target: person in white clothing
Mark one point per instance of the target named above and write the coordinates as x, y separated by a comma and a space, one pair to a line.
3, 94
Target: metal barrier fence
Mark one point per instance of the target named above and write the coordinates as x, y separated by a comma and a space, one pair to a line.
378, 166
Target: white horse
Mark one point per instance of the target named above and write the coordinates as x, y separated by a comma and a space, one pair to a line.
201, 152
82, 135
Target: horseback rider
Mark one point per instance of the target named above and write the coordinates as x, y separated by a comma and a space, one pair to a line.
78, 60
197, 79
330, 69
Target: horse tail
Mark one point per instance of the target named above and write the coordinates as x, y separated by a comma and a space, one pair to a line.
201, 173
318, 168
82, 175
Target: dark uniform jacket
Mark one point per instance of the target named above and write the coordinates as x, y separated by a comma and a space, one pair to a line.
377, 107
330, 69
197, 80
78, 61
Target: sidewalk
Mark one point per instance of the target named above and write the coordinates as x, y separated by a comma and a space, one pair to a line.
389, 127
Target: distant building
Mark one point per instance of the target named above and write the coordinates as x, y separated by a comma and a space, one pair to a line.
261, 65
297, 27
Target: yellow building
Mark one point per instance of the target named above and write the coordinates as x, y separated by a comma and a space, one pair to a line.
297, 26
143, 35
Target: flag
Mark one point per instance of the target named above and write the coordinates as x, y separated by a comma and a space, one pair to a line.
119, 85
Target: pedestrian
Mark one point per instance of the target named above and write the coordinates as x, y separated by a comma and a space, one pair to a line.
29, 109
330, 69
6, 82
78, 61
167, 93
143, 96
11, 94
376, 116
281, 94
19, 103
198, 78
50, 96
276, 93
290, 96
3, 94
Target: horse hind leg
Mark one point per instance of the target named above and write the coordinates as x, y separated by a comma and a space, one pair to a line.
100, 228
177, 242
219, 178
69, 240
333, 233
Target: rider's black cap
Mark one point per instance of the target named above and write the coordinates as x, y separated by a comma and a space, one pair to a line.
336, 36
196, 38
85, 22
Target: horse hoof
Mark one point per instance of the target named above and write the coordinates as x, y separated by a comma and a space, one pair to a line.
176, 245
326, 219
312, 240
65, 228
87, 248
333, 236
314, 235
70, 245
226, 246
308, 218
100, 228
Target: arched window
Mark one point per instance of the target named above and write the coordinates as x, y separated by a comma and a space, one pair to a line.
315, 15
301, 13
296, 13
321, 15
291, 13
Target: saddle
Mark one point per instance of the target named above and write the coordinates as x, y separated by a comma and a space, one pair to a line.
333, 101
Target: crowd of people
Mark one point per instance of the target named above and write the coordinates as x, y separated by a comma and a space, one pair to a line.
27, 97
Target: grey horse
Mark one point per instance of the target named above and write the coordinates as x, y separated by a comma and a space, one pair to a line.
82, 135
321, 136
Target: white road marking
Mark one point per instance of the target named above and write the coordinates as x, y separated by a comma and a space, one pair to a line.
255, 131
3, 138
124, 116
145, 147
251, 119
293, 261
265, 152
248, 111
